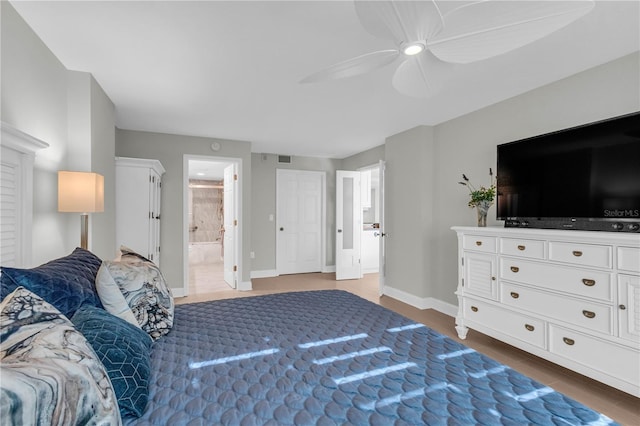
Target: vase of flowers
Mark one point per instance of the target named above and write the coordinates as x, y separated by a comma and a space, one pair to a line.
481, 198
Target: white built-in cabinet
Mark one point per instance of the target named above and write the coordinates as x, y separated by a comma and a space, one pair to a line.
571, 297
138, 196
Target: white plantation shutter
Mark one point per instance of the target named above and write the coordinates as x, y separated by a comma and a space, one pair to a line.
9, 218
17, 155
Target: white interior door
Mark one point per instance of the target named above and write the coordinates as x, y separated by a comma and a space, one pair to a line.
348, 225
381, 267
298, 221
230, 225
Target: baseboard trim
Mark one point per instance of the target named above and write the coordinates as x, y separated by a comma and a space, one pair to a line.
444, 307
328, 269
421, 302
267, 273
245, 286
177, 292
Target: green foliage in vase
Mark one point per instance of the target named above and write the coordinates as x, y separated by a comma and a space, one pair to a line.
481, 194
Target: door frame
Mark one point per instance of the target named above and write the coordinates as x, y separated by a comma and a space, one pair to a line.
185, 216
382, 267
323, 216
230, 185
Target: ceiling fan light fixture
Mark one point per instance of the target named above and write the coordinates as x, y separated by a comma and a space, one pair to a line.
411, 49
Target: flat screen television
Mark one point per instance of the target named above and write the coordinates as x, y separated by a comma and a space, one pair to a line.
569, 178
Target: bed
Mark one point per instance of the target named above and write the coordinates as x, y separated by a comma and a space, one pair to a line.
330, 357
301, 358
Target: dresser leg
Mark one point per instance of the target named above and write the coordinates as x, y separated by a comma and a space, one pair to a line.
462, 331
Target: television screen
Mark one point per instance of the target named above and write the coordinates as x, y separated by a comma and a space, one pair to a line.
591, 171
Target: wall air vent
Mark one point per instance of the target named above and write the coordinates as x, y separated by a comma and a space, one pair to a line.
284, 159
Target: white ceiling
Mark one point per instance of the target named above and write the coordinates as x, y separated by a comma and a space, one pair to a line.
207, 170
230, 69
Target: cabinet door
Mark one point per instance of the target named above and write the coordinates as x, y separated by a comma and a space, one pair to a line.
480, 275
629, 306
154, 216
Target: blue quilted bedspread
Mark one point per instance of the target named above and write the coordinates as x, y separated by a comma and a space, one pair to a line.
332, 358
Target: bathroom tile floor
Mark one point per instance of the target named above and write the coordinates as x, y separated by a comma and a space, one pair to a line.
206, 269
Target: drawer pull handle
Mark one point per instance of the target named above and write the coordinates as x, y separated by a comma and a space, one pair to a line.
493, 278
514, 269
478, 243
514, 294
474, 309
529, 327
568, 341
622, 307
577, 253
588, 282
589, 314
521, 248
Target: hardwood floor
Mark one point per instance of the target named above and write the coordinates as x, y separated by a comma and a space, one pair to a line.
615, 404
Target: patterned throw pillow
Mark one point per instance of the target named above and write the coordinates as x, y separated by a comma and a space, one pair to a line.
66, 283
111, 296
146, 293
124, 350
130, 256
50, 374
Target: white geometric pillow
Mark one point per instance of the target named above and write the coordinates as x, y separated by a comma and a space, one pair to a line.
146, 293
50, 374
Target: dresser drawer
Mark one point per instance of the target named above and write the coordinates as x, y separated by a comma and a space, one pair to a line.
597, 256
629, 259
581, 282
479, 243
533, 249
590, 315
522, 327
618, 361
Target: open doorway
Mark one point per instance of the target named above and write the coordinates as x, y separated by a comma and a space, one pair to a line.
210, 208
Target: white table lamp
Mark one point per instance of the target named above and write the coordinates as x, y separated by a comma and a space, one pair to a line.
81, 192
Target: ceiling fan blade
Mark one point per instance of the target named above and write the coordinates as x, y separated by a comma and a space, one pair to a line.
355, 66
421, 76
485, 29
400, 21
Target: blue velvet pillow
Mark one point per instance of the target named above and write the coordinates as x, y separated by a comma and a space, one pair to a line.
66, 283
124, 350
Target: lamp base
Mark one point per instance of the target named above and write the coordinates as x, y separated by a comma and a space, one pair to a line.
84, 231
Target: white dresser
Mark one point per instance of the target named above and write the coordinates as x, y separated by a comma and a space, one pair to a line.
571, 297
138, 196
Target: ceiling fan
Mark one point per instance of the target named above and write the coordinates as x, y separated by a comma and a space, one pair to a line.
428, 35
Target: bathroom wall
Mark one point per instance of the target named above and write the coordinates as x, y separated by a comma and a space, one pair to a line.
205, 211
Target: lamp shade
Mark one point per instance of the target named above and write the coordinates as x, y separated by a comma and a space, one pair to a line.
80, 192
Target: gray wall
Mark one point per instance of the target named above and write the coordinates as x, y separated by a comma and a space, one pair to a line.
468, 145
366, 158
103, 148
91, 147
170, 151
43, 99
408, 223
